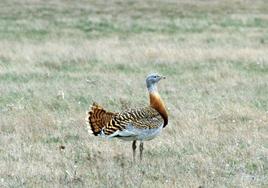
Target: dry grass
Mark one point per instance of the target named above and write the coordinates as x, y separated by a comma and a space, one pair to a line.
57, 57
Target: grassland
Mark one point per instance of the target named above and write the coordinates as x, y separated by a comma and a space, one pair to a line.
57, 57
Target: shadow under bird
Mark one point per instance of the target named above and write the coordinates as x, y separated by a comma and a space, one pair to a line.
140, 124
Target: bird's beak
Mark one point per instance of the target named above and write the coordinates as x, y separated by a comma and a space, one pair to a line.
162, 77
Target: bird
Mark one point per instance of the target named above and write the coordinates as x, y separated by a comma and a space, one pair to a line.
135, 124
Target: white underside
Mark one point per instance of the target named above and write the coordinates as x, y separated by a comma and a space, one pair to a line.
132, 133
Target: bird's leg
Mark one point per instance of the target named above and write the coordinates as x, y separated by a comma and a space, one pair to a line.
141, 150
134, 146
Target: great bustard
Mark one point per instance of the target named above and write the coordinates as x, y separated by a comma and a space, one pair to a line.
134, 124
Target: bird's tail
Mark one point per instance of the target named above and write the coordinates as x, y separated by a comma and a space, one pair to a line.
97, 118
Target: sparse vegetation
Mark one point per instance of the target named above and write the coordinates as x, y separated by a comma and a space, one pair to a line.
57, 57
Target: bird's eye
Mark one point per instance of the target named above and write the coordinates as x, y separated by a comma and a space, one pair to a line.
155, 76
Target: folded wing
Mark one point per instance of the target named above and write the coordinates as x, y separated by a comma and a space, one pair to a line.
143, 118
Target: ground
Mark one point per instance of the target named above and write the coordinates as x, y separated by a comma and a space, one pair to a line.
57, 57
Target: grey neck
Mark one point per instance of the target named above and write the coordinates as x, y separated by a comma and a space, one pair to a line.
152, 88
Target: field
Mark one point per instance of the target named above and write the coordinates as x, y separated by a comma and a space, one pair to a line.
57, 57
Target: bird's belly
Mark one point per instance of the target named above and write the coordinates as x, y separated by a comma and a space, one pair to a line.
133, 133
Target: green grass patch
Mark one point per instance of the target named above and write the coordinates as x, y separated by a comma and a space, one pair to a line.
257, 68
71, 138
58, 105
52, 140
13, 77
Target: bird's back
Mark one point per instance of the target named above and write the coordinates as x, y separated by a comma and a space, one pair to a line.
132, 123
135, 124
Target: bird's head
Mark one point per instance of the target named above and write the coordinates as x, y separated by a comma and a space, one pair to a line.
152, 80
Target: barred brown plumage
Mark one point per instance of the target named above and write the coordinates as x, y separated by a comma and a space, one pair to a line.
133, 124
97, 117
